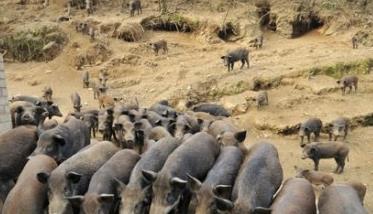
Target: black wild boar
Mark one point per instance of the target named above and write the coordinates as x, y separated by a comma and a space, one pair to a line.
213, 109
337, 150
75, 100
25, 113
164, 110
144, 125
338, 127
29, 195
194, 157
135, 5
15, 146
72, 177
239, 54
158, 45
64, 140
91, 121
105, 123
31, 99
157, 120
295, 196
315, 177
47, 93
348, 82
341, 199
312, 125
186, 124
102, 195
125, 134
259, 179
158, 133
137, 195
218, 182
52, 109
226, 133
261, 99
258, 42
49, 106
136, 115
85, 79
354, 41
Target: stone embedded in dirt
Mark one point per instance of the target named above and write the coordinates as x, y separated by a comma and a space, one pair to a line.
33, 83
48, 71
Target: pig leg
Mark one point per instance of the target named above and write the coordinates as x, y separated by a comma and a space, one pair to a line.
330, 136
343, 90
243, 63
247, 62
232, 65
317, 135
316, 163
309, 137
346, 131
350, 89
355, 87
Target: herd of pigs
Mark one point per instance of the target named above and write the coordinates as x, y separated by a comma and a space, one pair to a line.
157, 160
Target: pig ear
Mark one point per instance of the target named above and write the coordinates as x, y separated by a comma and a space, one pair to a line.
222, 57
220, 190
74, 177
178, 182
262, 210
138, 124
59, 139
132, 117
223, 204
165, 113
158, 122
240, 136
150, 176
195, 184
76, 200
40, 110
200, 121
43, 177
106, 198
110, 111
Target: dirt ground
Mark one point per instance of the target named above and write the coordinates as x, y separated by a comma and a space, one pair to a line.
191, 60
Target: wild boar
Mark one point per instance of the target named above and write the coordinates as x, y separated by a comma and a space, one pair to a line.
337, 150
341, 199
64, 140
218, 182
72, 177
195, 157
295, 196
137, 195
15, 146
29, 195
314, 177
102, 195
259, 179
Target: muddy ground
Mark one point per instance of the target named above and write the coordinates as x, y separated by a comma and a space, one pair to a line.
283, 64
